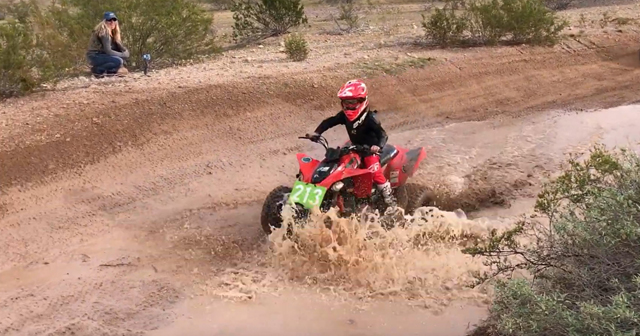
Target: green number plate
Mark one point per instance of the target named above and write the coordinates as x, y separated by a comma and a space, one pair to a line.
309, 195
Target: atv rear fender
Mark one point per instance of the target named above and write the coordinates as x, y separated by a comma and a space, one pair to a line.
404, 165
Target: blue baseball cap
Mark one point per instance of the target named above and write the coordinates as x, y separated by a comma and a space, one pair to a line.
109, 15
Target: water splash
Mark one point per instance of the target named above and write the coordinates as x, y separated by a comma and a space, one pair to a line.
418, 260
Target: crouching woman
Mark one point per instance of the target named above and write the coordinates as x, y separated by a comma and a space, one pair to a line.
106, 53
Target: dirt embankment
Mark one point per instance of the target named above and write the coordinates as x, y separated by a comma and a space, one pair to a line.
62, 131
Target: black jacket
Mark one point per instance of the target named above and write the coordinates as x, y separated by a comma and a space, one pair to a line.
366, 130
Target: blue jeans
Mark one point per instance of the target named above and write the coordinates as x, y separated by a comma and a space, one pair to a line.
101, 63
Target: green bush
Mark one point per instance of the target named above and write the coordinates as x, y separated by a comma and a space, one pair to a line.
46, 44
584, 262
489, 24
170, 30
493, 21
521, 310
266, 18
349, 15
17, 59
445, 26
31, 49
530, 21
296, 47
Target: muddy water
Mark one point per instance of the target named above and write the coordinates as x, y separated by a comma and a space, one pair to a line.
538, 141
511, 156
311, 314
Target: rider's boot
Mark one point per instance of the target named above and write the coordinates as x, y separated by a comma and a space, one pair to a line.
387, 194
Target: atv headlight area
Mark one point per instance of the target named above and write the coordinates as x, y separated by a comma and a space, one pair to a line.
337, 186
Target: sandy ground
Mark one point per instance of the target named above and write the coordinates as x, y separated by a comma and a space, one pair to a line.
130, 206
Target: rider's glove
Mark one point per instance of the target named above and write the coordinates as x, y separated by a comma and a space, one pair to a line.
314, 137
375, 149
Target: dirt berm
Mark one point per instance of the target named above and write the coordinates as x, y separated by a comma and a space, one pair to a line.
55, 132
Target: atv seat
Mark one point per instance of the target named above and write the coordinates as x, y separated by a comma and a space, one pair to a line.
387, 153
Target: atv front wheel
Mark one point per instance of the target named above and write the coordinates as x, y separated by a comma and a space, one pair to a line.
271, 216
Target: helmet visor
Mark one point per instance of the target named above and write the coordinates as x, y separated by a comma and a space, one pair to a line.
350, 104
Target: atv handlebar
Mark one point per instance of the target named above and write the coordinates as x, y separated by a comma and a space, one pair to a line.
319, 139
343, 150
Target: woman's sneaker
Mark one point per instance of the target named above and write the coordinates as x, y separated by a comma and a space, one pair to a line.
122, 72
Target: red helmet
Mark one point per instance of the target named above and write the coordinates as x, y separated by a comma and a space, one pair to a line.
353, 97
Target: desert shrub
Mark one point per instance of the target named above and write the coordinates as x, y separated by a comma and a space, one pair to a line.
31, 49
347, 13
582, 256
529, 21
17, 59
493, 21
488, 23
257, 20
296, 47
521, 310
445, 26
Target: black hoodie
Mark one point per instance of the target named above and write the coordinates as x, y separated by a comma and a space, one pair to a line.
365, 130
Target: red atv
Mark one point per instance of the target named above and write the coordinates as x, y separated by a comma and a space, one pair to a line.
340, 180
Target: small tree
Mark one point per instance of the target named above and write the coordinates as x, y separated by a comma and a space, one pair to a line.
258, 20
583, 255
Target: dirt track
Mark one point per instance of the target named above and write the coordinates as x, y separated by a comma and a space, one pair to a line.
113, 215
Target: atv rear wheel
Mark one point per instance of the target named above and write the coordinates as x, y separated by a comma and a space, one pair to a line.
412, 196
271, 215
424, 197
402, 196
